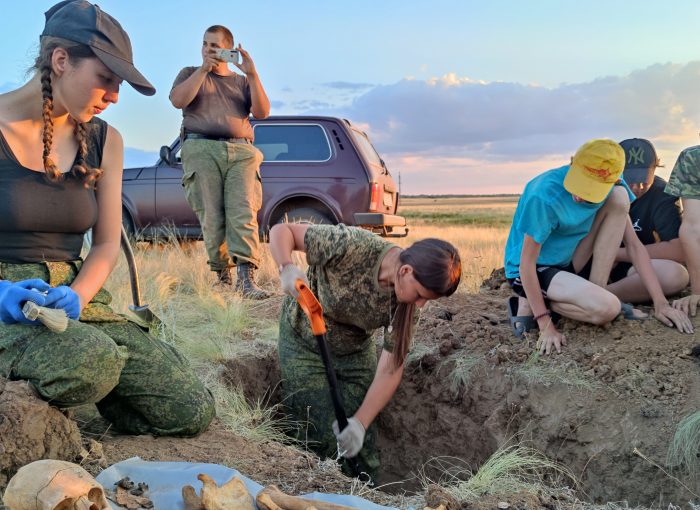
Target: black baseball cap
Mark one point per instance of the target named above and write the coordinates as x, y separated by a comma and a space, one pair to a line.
640, 160
82, 22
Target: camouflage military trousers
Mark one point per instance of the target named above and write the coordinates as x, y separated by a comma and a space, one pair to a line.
307, 395
684, 181
223, 187
139, 383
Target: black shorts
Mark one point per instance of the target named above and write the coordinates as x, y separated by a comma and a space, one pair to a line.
545, 274
619, 271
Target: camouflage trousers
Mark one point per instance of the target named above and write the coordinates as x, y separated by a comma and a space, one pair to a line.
307, 398
223, 187
684, 181
138, 382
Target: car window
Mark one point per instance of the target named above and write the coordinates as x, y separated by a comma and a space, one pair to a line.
293, 142
366, 148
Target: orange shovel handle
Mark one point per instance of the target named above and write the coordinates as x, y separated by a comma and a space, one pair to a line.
311, 307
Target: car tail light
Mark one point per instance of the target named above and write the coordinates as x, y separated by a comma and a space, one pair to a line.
375, 196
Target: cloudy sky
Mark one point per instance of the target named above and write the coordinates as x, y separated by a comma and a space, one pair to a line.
457, 96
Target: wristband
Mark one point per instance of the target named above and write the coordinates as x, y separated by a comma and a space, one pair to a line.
547, 313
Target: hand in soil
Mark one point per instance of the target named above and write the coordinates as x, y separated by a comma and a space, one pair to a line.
688, 304
674, 317
550, 337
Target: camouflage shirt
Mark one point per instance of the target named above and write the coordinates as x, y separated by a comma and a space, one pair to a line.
343, 274
684, 181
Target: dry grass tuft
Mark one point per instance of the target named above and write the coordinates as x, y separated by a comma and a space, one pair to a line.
510, 470
685, 448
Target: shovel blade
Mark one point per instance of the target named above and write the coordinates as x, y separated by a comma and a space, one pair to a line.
144, 316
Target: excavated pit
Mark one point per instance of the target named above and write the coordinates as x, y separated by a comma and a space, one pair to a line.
470, 387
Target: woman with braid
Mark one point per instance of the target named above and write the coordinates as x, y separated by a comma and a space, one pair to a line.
60, 175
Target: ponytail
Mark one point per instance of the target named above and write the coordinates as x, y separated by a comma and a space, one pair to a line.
437, 267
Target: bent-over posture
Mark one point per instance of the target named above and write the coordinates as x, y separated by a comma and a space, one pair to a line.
363, 283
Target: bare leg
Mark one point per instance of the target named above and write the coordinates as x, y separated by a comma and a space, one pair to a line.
690, 239
672, 276
604, 237
523, 307
579, 299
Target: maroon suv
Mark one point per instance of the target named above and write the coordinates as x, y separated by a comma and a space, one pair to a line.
316, 170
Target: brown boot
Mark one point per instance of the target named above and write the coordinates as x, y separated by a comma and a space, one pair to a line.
245, 284
223, 277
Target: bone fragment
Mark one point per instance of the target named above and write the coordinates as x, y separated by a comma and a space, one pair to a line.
288, 502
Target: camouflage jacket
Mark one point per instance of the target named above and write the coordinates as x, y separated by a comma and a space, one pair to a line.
343, 274
684, 181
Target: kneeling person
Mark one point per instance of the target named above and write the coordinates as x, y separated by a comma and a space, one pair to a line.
656, 218
565, 217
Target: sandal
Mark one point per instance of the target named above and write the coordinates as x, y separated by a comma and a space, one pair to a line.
627, 310
520, 324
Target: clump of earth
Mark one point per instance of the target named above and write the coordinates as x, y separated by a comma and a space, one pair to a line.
606, 408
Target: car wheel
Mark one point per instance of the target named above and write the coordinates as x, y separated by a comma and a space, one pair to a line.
306, 215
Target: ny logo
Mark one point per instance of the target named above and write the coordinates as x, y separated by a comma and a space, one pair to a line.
636, 156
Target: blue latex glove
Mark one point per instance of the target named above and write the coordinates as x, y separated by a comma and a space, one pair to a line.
14, 295
66, 298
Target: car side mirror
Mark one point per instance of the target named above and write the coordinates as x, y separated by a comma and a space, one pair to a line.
166, 155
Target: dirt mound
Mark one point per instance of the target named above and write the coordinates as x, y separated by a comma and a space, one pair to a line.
470, 386
30, 430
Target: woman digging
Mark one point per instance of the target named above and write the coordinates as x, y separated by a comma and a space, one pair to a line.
60, 175
363, 283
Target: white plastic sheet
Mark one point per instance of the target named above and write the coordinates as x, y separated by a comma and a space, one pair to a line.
166, 479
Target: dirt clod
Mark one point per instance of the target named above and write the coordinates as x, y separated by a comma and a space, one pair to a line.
30, 429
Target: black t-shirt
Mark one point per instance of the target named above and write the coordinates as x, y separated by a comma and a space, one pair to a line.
44, 221
656, 216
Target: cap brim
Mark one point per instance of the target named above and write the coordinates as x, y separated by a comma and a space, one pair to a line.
590, 190
126, 71
634, 175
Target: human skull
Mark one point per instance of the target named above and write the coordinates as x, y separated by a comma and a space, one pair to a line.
54, 485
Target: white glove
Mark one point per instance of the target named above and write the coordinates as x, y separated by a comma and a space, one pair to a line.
288, 278
351, 438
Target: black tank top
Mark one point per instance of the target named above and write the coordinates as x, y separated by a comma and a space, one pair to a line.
43, 221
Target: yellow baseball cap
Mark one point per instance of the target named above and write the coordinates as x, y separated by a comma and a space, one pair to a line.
595, 169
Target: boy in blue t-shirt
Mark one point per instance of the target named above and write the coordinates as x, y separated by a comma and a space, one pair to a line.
566, 217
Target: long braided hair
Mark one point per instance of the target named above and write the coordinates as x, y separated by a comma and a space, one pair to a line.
437, 267
42, 64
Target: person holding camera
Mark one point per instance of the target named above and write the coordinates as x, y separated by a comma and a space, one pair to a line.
221, 165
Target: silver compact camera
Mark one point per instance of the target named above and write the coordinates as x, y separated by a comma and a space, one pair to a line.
227, 55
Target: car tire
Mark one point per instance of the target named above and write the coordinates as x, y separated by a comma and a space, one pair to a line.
306, 216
